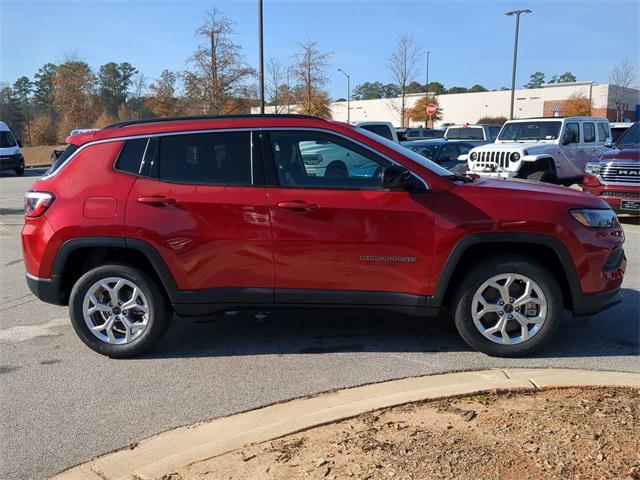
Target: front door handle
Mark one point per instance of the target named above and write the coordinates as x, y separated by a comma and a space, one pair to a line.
158, 201
298, 206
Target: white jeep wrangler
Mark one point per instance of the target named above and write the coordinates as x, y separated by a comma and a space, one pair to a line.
553, 150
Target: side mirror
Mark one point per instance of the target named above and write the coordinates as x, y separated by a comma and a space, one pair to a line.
395, 177
608, 142
565, 140
19, 143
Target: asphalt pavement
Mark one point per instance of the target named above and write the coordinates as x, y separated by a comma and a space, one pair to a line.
62, 404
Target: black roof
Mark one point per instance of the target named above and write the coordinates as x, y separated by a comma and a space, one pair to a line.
126, 123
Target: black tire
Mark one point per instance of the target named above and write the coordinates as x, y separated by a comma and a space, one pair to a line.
160, 314
19, 171
545, 176
487, 269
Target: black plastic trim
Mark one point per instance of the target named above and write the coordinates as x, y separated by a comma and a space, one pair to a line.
347, 297
590, 304
46, 289
458, 250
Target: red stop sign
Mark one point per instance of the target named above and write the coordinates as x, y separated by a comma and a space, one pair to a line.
431, 109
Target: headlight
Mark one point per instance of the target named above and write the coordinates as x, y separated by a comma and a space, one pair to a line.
595, 217
474, 156
592, 169
514, 157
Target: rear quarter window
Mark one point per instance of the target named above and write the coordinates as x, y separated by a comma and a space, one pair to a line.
57, 163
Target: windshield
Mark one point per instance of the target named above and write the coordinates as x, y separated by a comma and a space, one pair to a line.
419, 159
530, 131
631, 137
6, 139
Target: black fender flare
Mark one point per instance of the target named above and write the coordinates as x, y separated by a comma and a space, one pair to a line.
516, 238
145, 248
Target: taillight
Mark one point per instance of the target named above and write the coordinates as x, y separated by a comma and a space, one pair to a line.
36, 203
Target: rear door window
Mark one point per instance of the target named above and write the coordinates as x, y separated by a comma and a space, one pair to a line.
589, 132
130, 157
204, 158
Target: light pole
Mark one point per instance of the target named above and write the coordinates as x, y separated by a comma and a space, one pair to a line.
515, 55
348, 94
261, 56
426, 87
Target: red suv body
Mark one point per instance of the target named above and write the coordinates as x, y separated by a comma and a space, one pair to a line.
616, 176
198, 215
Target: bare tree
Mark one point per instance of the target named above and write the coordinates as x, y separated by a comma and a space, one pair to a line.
218, 69
275, 82
404, 67
623, 77
310, 72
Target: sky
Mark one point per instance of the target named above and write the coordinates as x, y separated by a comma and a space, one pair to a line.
470, 41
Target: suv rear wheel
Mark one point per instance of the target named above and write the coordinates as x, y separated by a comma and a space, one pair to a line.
508, 307
118, 311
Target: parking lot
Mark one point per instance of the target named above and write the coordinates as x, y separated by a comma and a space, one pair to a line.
64, 404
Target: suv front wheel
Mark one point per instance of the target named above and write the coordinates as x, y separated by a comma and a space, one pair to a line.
118, 311
508, 307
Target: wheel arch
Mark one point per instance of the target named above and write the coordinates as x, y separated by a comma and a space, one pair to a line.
78, 255
547, 162
548, 251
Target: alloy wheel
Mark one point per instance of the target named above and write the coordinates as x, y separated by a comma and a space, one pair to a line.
116, 310
509, 308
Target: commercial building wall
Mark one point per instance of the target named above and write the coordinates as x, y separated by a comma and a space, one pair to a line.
469, 107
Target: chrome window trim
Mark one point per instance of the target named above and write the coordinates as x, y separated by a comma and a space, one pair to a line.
222, 130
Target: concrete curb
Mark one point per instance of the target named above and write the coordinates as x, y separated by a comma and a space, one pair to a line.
165, 452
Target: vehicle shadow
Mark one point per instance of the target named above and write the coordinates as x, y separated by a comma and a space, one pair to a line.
627, 219
615, 332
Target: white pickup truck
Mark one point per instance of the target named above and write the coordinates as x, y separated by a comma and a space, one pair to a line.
553, 150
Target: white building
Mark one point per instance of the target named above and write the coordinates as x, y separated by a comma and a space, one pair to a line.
546, 101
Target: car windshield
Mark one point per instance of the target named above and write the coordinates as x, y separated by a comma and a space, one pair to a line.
419, 159
427, 151
7, 140
631, 137
530, 131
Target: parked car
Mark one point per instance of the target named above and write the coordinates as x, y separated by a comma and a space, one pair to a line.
196, 215
422, 133
10, 155
616, 176
618, 129
483, 132
443, 152
384, 129
402, 134
548, 150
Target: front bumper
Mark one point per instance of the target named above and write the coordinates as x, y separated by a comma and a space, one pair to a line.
46, 289
614, 195
590, 304
10, 162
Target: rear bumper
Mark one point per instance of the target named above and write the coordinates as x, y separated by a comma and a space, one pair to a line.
46, 289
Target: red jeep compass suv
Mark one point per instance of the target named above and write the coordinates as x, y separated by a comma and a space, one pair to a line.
196, 215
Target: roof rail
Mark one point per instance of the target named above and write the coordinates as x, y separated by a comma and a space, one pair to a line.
126, 123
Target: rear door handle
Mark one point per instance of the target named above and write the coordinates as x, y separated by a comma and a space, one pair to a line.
158, 201
298, 206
